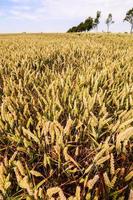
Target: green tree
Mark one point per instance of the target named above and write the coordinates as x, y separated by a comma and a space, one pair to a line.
97, 19
129, 18
109, 21
89, 24
81, 27
73, 29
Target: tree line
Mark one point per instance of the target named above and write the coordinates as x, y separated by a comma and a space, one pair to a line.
91, 23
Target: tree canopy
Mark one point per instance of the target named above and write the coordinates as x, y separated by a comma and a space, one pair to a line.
97, 19
109, 21
87, 25
129, 18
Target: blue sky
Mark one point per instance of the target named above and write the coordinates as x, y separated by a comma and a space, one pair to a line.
59, 15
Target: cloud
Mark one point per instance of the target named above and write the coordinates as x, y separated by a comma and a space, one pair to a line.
72, 9
65, 9
69, 11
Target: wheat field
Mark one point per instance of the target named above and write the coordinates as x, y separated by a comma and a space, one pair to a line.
66, 116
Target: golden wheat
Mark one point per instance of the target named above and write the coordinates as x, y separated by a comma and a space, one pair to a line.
66, 116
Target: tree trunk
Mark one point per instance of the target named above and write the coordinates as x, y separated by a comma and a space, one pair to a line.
107, 28
131, 31
97, 28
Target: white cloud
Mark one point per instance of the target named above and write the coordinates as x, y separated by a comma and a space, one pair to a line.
67, 10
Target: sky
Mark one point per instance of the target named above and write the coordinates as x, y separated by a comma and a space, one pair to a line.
60, 15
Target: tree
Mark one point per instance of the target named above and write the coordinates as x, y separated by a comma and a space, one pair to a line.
88, 24
97, 19
109, 21
81, 27
129, 18
73, 29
